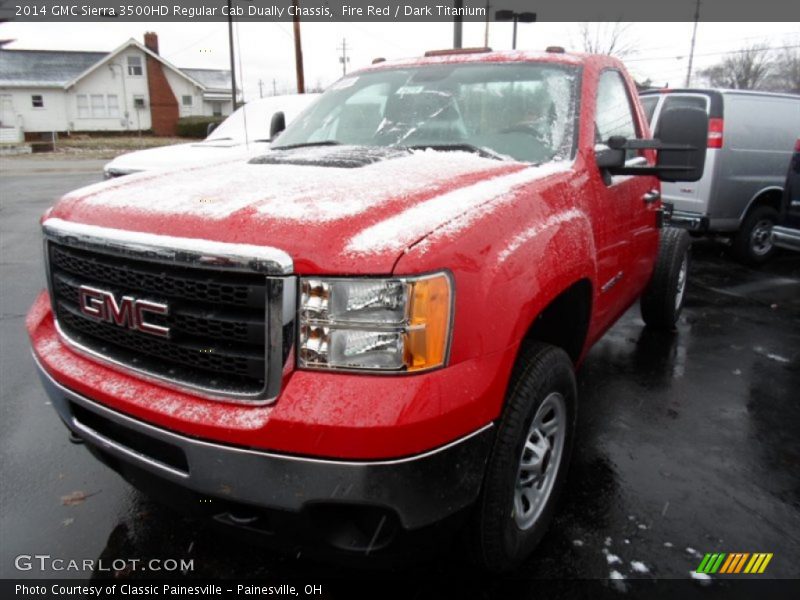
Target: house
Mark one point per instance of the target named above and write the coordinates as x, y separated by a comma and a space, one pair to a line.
130, 89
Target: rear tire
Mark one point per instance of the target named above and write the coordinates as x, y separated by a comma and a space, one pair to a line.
752, 244
529, 460
663, 299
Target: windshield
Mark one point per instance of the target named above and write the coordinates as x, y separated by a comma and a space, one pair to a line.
258, 115
521, 110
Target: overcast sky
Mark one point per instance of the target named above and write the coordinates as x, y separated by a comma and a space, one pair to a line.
267, 52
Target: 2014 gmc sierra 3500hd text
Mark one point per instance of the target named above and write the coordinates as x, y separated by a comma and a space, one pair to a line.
372, 328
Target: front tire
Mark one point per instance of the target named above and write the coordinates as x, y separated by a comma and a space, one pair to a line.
528, 464
663, 299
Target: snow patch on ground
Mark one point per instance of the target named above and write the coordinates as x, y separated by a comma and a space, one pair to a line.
577, 543
639, 566
703, 578
613, 559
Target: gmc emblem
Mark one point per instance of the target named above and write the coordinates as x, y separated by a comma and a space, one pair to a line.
129, 312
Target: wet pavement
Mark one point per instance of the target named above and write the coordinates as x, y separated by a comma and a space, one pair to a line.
688, 442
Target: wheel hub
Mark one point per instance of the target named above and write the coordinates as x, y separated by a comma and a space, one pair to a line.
540, 460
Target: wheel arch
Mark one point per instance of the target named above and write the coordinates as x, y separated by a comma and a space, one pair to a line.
768, 196
564, 321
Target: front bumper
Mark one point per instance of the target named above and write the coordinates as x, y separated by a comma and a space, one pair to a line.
786, 237
419, 490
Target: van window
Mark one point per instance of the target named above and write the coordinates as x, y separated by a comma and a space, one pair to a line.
649, 104
677, 101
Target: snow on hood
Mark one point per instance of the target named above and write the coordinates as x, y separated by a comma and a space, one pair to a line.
185, 155
324, 217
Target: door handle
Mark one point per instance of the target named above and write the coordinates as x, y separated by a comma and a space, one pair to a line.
651, 196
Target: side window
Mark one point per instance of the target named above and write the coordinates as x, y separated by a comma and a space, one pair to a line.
134, 66
614, 114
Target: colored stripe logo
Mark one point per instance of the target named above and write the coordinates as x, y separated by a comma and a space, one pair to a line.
734, 563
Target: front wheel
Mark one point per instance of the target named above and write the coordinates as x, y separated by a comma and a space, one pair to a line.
528, 465
662, 301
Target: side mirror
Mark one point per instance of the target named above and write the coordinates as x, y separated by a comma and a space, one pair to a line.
277, 124
211, 127
687, 127
681, 140
608, 157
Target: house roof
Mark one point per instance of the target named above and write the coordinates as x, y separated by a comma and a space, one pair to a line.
62, 68
43, 68
212, 79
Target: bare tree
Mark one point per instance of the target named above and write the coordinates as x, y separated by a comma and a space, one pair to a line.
745, 69
613, 39
786, 70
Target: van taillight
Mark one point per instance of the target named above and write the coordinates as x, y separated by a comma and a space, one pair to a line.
797, 145
715, 127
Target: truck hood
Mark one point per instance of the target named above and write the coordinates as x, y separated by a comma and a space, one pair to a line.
184, 155
331, 215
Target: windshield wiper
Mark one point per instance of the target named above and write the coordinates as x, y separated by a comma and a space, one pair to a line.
460, 146
308, 144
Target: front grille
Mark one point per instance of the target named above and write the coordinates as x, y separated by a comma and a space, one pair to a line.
217, 319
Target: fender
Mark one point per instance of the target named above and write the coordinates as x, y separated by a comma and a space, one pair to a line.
541, 242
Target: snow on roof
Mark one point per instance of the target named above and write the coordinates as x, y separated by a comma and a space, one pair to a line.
43, 68
58, 68
212, 79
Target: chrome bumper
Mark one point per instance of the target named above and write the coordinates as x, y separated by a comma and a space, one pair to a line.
421, 489
689, 220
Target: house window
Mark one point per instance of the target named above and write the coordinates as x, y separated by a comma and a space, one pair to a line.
138, 102
83, 106
135, 66
216, 109
112, 103
187, 100
98, 103
37, 101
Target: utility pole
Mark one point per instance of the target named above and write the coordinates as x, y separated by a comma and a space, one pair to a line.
274, 87
260, 89
344, 59
298, 49
694, 37
458, 22
233, 62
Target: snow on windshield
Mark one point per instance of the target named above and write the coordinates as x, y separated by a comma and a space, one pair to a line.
521, 110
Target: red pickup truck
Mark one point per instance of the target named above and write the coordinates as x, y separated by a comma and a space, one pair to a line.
372, 328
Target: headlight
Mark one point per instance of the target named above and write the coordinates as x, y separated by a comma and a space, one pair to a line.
400, 324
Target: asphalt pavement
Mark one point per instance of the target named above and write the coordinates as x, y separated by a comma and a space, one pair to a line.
688, 442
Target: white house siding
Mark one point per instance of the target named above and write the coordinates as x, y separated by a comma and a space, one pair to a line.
50, 117
183, 87
111, 78
208, 107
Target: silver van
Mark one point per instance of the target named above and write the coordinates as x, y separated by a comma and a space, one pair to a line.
750, 141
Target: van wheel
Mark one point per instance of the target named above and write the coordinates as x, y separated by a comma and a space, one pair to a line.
529, 460
662, 301
752, 244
